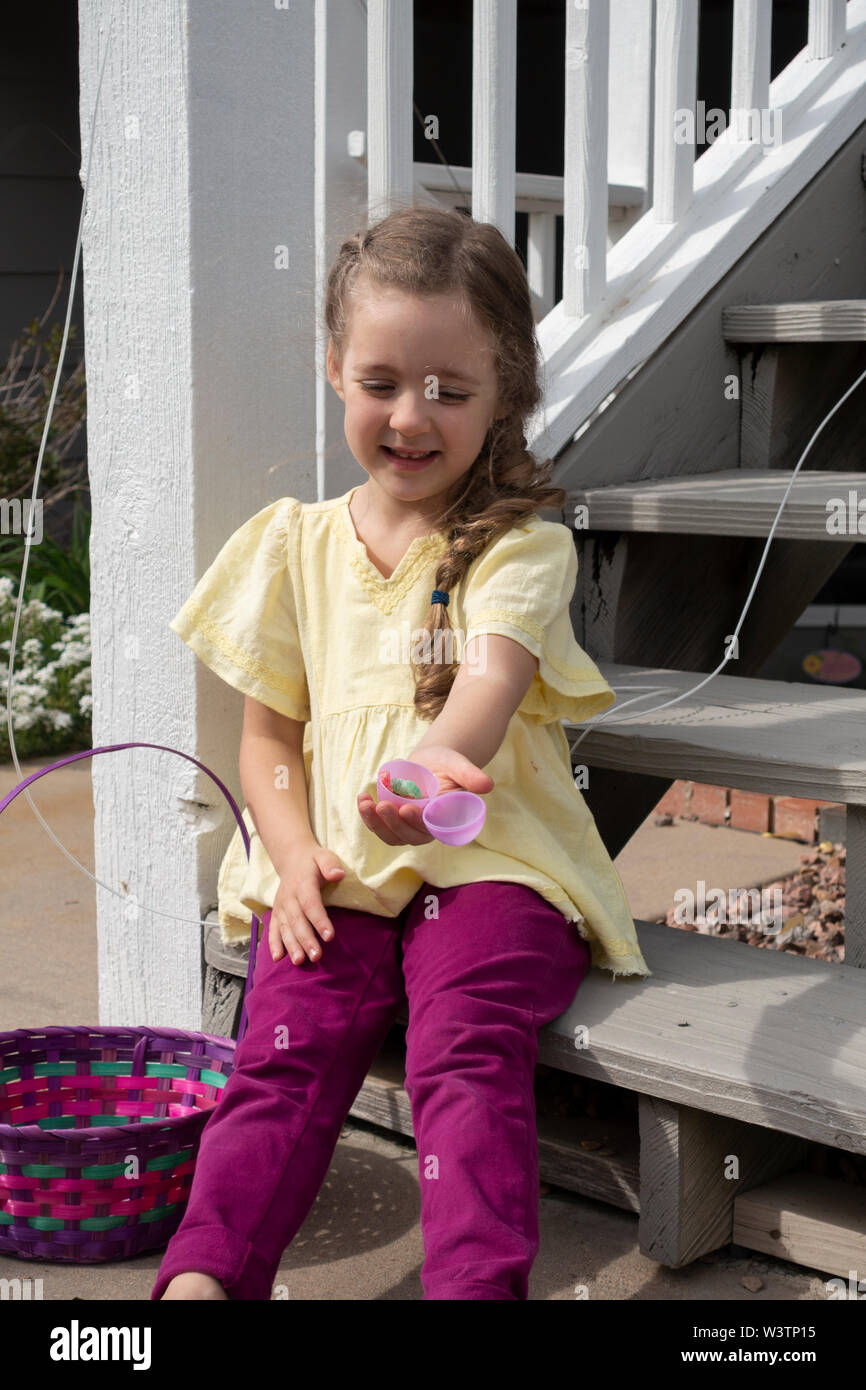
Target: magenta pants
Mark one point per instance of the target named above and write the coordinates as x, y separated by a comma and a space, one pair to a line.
481, 978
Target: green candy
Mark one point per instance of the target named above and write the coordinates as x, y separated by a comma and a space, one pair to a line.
403, 787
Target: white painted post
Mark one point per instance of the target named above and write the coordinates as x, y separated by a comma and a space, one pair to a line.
676, 51
827, 23
750, 67
584, 245
340, 208
390, 114
198, 276
494, 112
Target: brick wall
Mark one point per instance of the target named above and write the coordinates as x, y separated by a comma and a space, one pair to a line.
792, 816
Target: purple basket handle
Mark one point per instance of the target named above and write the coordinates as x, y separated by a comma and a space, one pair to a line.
113, 747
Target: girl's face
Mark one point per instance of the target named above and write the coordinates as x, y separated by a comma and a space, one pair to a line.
417, 376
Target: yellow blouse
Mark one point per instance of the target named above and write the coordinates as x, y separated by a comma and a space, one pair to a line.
294, 613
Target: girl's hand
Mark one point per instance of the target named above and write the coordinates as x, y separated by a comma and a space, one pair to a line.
298, 906
402, 825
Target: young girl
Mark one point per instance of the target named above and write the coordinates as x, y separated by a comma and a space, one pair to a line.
423, 615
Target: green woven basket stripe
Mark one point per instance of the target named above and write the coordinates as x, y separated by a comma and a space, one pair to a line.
44, 1170
113, 1069
68, 1121
125, 1069
213, 1078
169, 1160
207, 1077
99, 1170
157, 1213
91, 1223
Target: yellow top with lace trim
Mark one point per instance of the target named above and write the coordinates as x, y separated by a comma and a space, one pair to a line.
294, 613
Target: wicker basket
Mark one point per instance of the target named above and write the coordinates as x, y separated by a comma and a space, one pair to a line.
100, 1127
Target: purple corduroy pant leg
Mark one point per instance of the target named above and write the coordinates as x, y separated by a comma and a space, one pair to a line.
483, 967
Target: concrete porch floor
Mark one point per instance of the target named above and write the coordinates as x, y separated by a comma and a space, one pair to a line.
362, 1238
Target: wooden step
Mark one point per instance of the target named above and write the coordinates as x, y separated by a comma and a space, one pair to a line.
762, 1036
780, 737
735, 502
814, 1221
759, 1035
824, 321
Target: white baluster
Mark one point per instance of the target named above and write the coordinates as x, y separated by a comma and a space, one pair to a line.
494, 110
826, 27
675, 88
389, 106
541, 260
585, 212
750, 66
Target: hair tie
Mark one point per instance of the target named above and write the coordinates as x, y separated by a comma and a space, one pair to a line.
439, 596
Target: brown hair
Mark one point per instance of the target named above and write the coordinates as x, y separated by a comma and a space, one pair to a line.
431, 251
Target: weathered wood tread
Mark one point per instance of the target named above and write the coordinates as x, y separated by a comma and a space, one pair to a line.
733, 502
763, 1036
780, 737
821, 321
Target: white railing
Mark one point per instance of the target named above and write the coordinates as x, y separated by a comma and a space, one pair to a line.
602, 274
542, 197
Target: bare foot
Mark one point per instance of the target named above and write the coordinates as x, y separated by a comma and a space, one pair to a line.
194, 1285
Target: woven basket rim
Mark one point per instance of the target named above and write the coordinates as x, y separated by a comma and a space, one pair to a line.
75, 1137
101, 1028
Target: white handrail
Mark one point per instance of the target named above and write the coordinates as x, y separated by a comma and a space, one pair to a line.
533, 192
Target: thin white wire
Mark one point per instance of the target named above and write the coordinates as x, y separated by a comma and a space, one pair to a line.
127, 899
641, 714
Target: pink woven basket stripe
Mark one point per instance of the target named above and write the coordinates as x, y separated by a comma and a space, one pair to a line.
87, 1210
84, 1109
100, 1093
96, 1085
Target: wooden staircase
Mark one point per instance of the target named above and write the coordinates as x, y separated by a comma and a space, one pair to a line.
780, 1062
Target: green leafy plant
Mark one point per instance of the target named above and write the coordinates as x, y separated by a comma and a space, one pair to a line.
57, 577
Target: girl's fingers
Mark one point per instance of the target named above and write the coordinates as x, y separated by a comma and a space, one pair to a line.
403, 825
388, 822
367, 808
281, 940
295, 940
